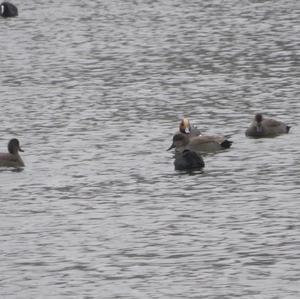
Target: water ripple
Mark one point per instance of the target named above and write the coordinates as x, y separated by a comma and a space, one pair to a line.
94, 91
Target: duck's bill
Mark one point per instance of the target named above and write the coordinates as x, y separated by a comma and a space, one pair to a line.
21, 150
172, 146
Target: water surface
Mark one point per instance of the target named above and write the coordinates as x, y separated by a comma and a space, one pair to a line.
94, 91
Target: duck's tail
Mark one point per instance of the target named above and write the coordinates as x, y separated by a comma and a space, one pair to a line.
226, 143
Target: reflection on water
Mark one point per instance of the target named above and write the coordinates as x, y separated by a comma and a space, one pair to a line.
94, 92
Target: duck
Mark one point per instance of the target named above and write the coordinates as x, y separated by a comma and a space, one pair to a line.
199, 144
188, 160
266, 127
12, 158
8, 9
190, 137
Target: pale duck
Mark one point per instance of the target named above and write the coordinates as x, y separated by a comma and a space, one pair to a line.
199, 144
12, 158
266, 127
190, 137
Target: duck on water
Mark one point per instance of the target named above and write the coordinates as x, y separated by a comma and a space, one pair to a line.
266, 127
188, 160
12, 158
191, 138
8, 10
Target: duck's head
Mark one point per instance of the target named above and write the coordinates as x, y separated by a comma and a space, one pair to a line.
179, 140
258, 118
14, 146
185, 126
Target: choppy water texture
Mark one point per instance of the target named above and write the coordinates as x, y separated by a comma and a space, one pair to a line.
94, 90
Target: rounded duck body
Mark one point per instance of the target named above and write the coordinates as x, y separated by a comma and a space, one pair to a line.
12, 158
8, 10
188, 160
199, 144
266, 127
191, 138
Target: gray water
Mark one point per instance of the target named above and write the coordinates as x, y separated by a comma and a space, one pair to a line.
94, 91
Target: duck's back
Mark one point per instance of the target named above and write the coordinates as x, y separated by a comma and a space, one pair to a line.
188, 160
274, 127
208, 143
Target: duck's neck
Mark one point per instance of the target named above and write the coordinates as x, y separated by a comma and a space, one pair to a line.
17, 155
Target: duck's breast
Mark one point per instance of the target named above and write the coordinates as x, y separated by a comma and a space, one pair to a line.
10, 160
